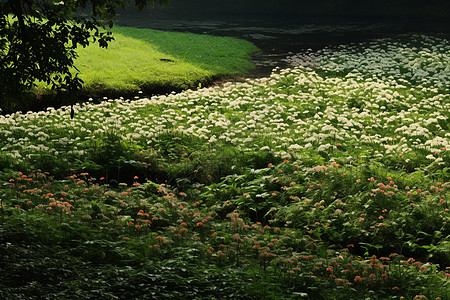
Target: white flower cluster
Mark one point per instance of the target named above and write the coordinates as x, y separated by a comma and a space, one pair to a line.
296, 109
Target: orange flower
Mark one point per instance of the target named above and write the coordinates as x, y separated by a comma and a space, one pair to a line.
358, 279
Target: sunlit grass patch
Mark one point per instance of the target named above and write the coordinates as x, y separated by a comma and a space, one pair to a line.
157, 61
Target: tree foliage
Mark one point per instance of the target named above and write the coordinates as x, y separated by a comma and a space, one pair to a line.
38, 41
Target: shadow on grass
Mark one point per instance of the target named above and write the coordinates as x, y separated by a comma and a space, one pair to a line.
218, 55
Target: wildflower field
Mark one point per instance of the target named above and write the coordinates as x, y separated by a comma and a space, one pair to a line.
327, 180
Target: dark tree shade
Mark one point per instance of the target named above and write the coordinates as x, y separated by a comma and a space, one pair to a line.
38, 41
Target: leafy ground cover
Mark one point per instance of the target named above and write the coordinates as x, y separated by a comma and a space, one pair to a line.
329, 180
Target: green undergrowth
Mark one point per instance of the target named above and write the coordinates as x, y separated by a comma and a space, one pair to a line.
323, 181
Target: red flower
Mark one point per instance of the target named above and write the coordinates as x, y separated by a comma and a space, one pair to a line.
358, 279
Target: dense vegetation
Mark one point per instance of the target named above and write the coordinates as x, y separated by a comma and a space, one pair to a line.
329, 180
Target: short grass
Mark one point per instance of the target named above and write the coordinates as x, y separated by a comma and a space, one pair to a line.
158, 61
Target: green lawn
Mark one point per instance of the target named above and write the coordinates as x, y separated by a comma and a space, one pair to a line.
158, 61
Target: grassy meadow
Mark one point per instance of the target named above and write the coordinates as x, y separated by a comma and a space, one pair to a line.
327, 180
152, 61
